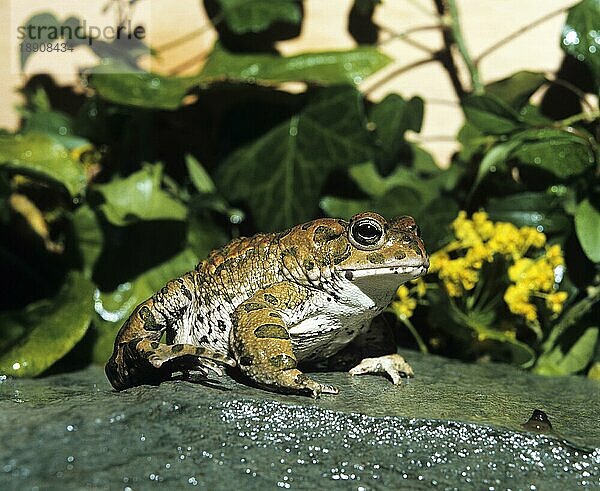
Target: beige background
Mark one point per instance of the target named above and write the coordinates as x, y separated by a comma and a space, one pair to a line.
484, 22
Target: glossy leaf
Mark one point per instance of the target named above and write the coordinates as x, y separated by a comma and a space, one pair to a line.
516, 89
41, 157
587, 226
244, 16
571, 358
89, 237
490, 114
113, 308
139, 197
200, 178
280, 175
530, 210
562, 153
119, 84
52, 331
326, 67
580, 35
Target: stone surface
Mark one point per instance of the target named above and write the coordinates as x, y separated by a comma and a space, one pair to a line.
453, 426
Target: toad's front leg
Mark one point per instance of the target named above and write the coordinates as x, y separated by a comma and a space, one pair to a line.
262, 347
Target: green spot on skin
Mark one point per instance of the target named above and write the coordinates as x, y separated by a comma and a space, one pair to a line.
340, 251
415, 247
200, 351
283, 362
177, 348
325, 234
308, 264
376, 258
273, 331
148, 319
400, 255
249, 307
154, 345
271, 299
246, 361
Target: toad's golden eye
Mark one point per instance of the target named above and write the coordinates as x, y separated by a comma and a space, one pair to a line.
366, 233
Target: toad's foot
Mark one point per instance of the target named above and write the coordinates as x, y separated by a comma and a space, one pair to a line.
394, 365
202, 359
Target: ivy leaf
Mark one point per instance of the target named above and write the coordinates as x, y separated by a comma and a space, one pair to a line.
530, 210
280, 175
491, 115
139, 197
516, 89
51, 329
113, 308
392, 117
119, 83
41, 157
244, 16
587, 226
562, 153
580, 35
325, 68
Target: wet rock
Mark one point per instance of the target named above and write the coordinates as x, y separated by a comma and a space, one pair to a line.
453, 426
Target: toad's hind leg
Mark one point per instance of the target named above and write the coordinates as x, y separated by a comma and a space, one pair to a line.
140, 358
262, 347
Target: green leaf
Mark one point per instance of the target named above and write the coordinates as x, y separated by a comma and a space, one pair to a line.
343, 208
89, 238
580, 35
280, 175
493, 159
569, 359
562, 153
326, 67
434, 220
587, 226
119, 84
113, 308
531, 210
200, 178
52, 335
139, 197
491, 115
392, 117
41, 157
244, 16
516, 89
594, 372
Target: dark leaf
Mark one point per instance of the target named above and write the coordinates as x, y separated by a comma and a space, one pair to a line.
51, 333
516, 89
280, 175
490, 114
580, 35
326, 67
244, 16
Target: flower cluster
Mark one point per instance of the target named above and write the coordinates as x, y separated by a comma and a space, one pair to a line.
405, 304
479, 241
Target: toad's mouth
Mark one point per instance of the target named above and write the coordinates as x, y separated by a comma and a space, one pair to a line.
411, 270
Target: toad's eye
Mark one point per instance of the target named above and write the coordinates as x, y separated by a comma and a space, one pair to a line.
366, 233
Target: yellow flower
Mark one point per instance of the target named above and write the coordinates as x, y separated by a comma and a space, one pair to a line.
517, 299
477, 254
405, 305
531, 237
420, 287
438, 260
483, 226
555, 256
554, 301
464, 230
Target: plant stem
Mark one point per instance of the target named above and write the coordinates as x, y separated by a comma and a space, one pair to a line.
584, 116
454, 25
418, 338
